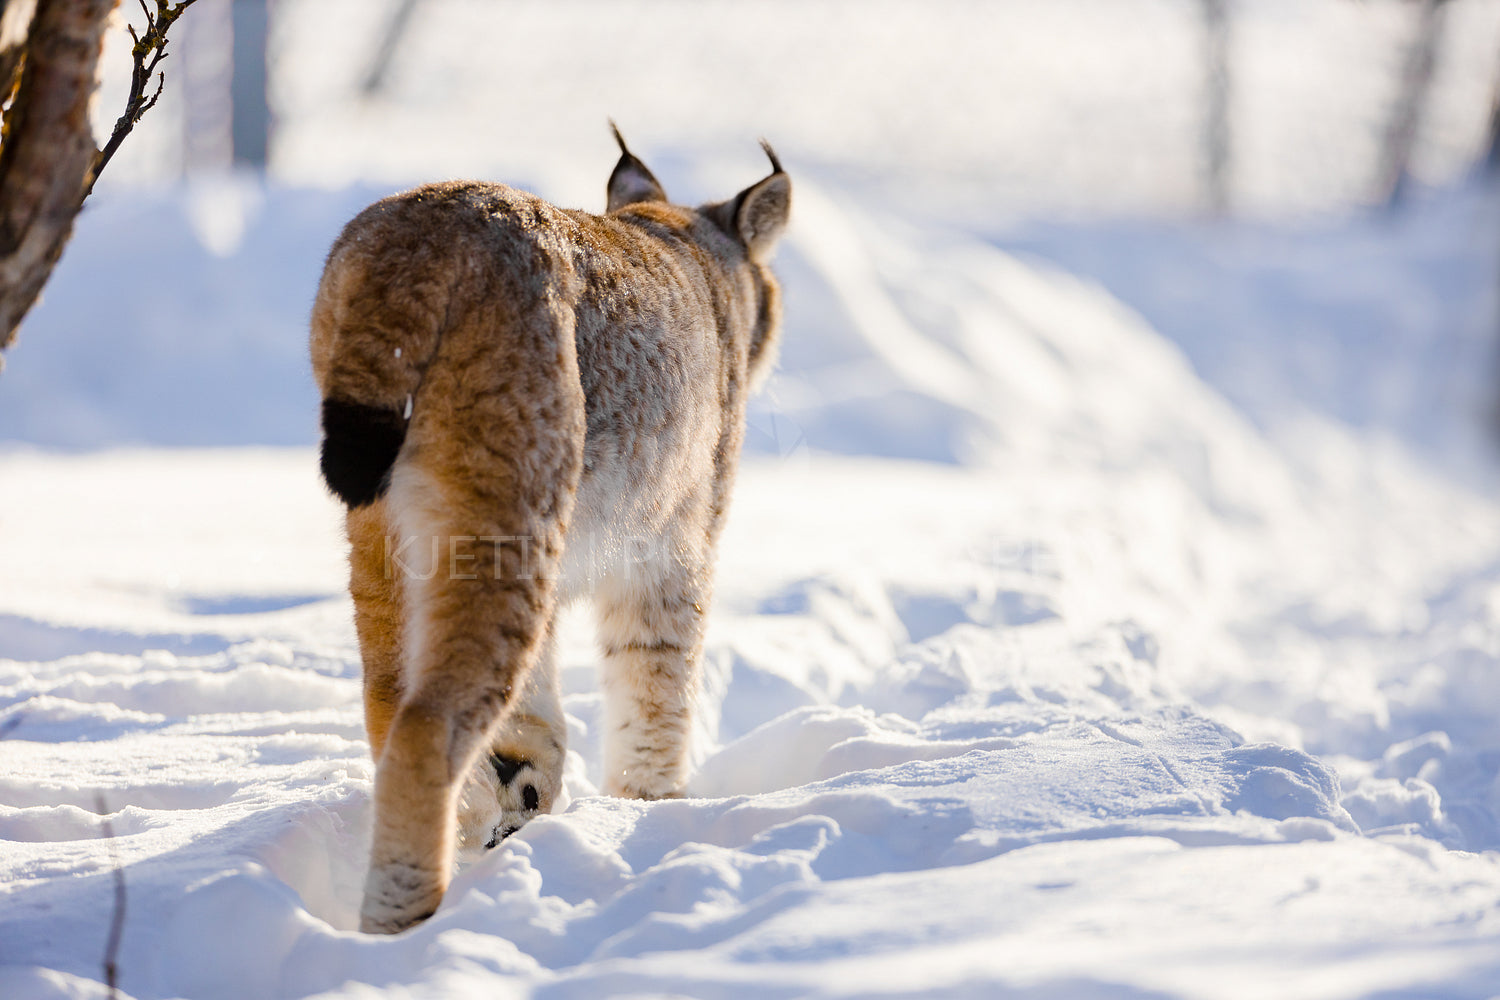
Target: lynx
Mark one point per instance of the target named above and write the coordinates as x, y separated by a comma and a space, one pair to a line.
524, 405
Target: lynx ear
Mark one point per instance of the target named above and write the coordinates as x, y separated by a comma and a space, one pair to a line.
761, 210
631, 181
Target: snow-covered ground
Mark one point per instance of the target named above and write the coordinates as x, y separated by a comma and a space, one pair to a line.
1108, 608
1038, 667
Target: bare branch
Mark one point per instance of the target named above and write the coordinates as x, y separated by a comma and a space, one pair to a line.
48, 161
149, 50
160, 82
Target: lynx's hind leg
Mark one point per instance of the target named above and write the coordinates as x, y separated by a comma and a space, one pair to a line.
378, 617
521, 775
650, 627
472, 637
480, 498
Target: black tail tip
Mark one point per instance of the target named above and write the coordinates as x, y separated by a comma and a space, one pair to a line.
360, 444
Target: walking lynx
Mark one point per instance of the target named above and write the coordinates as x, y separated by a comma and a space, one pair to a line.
523, 405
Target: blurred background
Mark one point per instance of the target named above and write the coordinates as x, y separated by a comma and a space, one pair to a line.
1261, 107
1290, 191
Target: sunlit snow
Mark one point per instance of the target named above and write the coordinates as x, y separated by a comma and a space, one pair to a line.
1108, 608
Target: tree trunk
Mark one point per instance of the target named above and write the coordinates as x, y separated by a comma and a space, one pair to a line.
1416, 79
1492, 144
390, 40
1216, 134
250, 118
48, 149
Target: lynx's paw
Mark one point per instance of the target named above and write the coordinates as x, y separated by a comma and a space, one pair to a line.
626, 788
502, 793
398, 896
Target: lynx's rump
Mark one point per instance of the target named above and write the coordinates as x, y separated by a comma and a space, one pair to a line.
641, 297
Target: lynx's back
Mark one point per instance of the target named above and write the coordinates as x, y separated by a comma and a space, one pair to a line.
521, 405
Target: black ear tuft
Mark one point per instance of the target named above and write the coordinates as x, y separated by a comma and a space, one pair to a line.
360, 444
630, 182
775, 163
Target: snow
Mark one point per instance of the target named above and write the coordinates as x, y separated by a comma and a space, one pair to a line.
1108, 607
1089, 682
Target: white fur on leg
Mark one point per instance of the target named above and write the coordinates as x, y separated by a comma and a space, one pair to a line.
414, 556
648, 695
650, 627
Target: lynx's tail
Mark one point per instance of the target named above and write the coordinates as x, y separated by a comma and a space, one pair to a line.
375, 327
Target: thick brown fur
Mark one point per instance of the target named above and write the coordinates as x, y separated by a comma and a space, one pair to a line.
523, 405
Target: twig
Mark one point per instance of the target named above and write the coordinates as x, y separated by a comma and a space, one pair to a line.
149, 50
117, 915
117, 918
